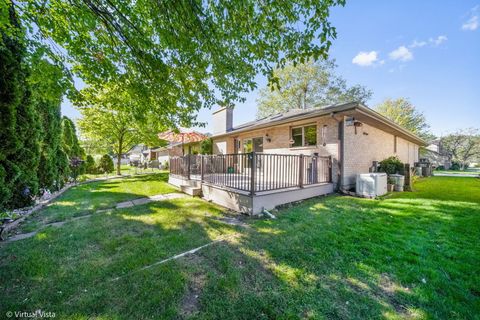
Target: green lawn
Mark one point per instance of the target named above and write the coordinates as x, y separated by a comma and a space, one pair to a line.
86, 198
125, 170
413, 255
467, 171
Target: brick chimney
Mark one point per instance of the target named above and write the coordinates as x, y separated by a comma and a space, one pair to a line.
222, 120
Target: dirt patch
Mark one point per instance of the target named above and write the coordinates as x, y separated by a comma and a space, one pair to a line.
190, 302
390, 291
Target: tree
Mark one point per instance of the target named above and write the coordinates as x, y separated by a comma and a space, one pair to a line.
48, 86
90, 164
70, 143
11, 87
463, 146
105, 164
404, 113
206, 146
32, 88
176, 57
307, 85
19, 152
106, 119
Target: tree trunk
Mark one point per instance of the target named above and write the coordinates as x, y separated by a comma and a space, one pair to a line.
119, 155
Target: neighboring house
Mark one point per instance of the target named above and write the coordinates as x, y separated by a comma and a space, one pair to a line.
138, 153
161, 154
437, 156
123, 159
175, 150
298, 154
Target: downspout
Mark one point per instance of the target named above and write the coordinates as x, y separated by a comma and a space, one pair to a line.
341, 147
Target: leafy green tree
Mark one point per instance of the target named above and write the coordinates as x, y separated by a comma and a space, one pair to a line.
405, 114
176, 57
106, 120
105, 164
463, 146
307, 85
206, 146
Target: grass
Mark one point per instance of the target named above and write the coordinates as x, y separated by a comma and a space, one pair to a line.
466, 171
86, 198
70, 270
413, 255
124, 169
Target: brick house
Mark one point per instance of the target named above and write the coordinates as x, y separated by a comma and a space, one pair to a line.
311, 152
353, 134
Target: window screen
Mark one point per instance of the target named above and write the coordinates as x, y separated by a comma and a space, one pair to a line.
297, 137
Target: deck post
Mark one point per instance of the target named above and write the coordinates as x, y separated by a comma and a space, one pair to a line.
330, 168
188, 166
201, 168
407, 174
300, 172
252, 173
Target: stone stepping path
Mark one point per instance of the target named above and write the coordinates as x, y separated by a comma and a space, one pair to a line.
119, 205
158, 197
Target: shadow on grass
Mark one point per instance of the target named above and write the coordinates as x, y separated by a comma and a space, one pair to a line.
354, 258
87, 198
68, 270
335, 257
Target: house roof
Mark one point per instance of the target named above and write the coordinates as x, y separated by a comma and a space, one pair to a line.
296, 115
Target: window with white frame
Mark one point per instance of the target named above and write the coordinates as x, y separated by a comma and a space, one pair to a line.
304, 136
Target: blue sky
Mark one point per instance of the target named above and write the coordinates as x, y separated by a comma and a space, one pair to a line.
427, 51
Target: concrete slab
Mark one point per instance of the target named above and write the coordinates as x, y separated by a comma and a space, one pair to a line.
141, 201
21, 236
126, 204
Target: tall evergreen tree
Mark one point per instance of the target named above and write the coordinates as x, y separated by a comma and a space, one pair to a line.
49, 84
27, 156
11, 53
70, 143
19, 153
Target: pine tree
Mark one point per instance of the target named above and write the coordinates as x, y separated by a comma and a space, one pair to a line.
48, 85
106, 164
13, 96
27, 157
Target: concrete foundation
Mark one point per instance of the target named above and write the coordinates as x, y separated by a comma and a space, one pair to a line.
243, 202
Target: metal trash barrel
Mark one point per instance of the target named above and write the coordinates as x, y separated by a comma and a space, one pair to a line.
399, 181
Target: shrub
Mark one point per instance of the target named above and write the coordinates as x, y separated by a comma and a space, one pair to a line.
90, 165
440, 168
206, 146
391, 165
455, 166
106, 164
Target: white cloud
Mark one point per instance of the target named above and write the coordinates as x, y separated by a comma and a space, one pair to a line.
472, 24
401, 53
438, 41
432, 41
365, 59
418, 44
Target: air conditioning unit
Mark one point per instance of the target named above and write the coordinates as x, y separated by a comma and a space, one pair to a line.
371, 185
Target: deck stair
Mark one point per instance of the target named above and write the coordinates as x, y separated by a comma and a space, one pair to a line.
191, 190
